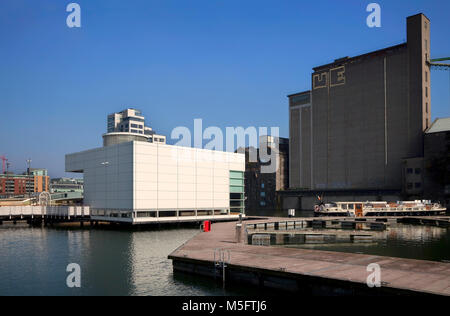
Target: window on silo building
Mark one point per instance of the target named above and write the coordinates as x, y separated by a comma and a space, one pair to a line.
237, 191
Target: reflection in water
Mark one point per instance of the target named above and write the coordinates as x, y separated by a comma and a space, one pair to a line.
33, 261
405, 241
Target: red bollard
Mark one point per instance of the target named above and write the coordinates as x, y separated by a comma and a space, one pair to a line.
207, 226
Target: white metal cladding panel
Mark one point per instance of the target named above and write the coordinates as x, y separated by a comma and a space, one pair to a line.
201, 187
221, 203
221, 186
186, 178
142, 203
108, 175
205, 203
186, 187
167, 203
205, 195
146, 176
235, 166
186, 171
221, 195
147, 186
204, 172
186, 195
187, 204
222, 173
146, 195
167, 186
168, 195
147, 159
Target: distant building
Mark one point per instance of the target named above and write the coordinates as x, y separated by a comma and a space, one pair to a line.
34, 181
261, 188
129, 125
437, 162
65, 185
350, 135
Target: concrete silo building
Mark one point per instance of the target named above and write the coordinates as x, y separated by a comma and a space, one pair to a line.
363, 116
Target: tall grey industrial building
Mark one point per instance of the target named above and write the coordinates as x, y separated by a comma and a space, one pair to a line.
363, 117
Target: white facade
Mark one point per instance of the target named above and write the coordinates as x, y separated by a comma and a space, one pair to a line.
137, 180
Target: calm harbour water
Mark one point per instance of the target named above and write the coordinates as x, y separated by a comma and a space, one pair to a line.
33, 261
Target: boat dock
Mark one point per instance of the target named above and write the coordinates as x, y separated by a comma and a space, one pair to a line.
303, 270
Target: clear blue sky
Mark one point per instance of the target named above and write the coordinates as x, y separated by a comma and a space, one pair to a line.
229, 62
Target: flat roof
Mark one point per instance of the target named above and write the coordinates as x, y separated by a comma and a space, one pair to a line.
347, 59
299, 93
439, 125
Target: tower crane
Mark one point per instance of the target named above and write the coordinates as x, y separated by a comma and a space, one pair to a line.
4, 161
438, 64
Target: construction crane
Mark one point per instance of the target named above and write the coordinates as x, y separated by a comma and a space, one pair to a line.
438, 65
4, 161
435, 63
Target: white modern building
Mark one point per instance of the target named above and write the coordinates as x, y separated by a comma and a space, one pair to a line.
140, 182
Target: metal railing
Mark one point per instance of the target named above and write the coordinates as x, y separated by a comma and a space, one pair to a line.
57, 211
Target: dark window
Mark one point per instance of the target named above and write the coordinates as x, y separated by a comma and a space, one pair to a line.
409, 185
418, 171
418, 185
409, 170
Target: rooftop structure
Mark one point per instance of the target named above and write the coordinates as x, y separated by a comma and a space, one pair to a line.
439, 125
129, 125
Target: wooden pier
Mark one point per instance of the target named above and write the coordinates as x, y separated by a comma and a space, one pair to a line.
306, 271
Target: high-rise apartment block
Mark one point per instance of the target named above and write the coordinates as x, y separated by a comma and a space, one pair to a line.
129, 125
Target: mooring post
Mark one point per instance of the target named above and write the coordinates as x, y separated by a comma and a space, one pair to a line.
238, 233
